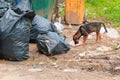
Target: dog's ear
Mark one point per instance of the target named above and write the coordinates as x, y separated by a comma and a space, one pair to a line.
83, 31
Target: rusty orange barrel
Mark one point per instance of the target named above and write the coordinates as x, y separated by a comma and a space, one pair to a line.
74, 11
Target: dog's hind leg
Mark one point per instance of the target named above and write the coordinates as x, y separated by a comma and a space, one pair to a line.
98, 37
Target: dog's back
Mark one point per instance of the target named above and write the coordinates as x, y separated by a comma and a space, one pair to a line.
94, 26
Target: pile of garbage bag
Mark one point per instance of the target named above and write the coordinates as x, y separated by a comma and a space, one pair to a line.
48, 39
19, 26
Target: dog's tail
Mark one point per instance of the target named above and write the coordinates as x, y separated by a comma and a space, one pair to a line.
104, 27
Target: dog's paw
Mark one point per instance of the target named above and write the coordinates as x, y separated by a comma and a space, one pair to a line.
73, 44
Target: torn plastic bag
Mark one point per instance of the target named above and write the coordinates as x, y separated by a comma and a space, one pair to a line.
51, 43
41, 25
15, 35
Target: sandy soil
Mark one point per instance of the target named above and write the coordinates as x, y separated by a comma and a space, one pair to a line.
80, 63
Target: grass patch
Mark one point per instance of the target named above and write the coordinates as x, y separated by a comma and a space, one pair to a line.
106, 10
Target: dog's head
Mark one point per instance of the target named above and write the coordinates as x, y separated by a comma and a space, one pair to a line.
81, 31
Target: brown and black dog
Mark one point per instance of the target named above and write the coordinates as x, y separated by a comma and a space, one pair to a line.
87, 28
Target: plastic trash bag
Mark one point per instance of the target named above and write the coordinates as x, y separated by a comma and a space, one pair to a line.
59, 26
51, 43
10, 2
14, 36
24, 5
40, 25
3, 8
4, 5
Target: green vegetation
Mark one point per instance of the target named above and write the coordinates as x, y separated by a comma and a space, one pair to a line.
61, 11
104, 10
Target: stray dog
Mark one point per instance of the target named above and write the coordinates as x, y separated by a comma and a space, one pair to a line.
87, 28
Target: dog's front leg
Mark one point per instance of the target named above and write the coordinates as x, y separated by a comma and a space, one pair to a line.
84, 39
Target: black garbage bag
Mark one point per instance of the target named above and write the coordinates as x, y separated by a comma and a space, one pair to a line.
42, 26
4, 5
24, 5
10, 2
51, 43
14, 36
3, 8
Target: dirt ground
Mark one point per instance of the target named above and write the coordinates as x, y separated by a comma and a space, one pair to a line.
86, 62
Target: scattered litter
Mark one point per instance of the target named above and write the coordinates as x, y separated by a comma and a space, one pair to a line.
41, 63
89, 54
54, 65
35, 70
69, 70
82, 54
118, 46
117, 68
104, 48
